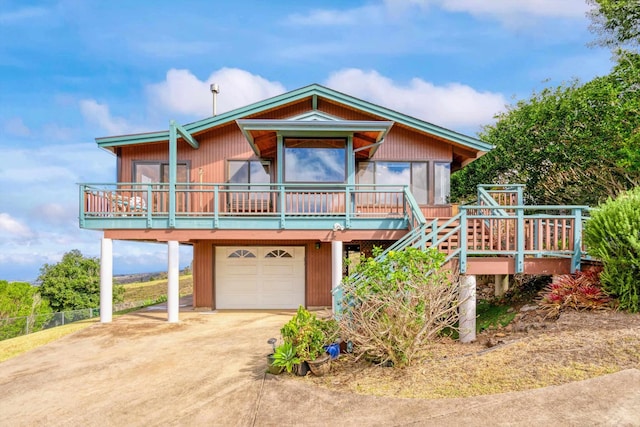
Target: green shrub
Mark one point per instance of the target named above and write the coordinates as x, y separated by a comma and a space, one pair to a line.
613, 235
308, 335
395, 308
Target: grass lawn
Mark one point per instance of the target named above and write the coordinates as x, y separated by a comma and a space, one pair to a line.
134, 292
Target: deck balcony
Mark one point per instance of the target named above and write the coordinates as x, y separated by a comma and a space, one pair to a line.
242, 206
496, 234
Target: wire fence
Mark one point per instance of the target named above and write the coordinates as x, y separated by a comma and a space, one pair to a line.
16, 326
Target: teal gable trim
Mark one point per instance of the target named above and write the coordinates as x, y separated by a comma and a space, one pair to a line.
312, 91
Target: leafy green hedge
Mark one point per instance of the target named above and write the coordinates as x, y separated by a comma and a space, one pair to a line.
613, 235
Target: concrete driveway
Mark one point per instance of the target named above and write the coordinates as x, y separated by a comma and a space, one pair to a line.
209, 370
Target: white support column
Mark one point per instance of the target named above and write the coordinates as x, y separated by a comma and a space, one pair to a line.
106, 280
336, 267
467, 309
173, 276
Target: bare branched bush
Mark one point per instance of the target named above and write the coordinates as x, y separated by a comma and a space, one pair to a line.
395, 308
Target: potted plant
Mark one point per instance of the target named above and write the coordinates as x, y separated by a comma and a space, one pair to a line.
273, 369
285, 356
309, 336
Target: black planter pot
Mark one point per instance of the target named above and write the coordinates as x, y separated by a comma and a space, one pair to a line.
274, 370
301, 369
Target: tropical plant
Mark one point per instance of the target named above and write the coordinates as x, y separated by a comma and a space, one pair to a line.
308, 334
285, 356
395, 308
613, 236
579, 291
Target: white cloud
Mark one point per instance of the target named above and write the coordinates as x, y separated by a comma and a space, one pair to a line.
15, 126
453, 105
20, 15
99, 114
182, 92
509, 12
12, 226
332, 18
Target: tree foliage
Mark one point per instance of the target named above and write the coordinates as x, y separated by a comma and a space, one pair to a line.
73, 283
613, 235
617, 22
21, 309
573, 144
398, 306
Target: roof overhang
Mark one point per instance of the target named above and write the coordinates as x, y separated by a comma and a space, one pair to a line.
262, 133
465, 148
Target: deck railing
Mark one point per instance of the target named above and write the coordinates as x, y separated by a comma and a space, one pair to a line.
152, 200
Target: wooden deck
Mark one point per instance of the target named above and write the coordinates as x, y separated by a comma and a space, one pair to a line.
496, 235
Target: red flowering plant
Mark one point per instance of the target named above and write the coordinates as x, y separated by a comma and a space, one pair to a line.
579, 291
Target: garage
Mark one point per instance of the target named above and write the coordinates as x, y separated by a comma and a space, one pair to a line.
260, 277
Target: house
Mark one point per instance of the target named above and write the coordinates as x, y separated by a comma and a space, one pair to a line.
273, 196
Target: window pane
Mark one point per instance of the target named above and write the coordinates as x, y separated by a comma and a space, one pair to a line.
147, 172
365, 173
260, 172
393, 173
238, 172
314, 161
419, 182
181, 173
442, 174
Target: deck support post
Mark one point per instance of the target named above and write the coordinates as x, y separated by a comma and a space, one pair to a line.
106, 280
467, 308
173, 276
501, 284
336, 270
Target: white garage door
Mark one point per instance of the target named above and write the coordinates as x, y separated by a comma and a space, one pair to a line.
259, 277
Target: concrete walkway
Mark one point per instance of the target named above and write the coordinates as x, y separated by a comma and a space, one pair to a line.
209, 370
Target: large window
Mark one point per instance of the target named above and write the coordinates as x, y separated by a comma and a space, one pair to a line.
314, 160
413, 174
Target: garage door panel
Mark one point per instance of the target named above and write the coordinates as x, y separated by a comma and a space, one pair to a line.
271, 277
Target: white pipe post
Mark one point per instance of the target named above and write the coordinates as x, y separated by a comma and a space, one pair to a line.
106, 280
467, 309
173, 276
336, 268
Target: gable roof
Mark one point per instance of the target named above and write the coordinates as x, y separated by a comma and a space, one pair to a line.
314, 91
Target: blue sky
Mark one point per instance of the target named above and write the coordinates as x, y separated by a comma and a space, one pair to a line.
74, 70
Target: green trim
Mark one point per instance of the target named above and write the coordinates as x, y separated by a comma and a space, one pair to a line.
173, 171
307, 92
186, 135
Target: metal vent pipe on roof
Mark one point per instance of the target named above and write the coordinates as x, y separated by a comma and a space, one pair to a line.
215, 90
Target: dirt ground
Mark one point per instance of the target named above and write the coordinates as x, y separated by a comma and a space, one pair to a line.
210, 370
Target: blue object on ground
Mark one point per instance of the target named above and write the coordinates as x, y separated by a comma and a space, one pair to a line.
333, 350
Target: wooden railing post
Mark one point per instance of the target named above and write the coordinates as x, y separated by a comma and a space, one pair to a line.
577, 240
347, 207
520, 239
463, 240
149, 205
283, 205
216, 206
